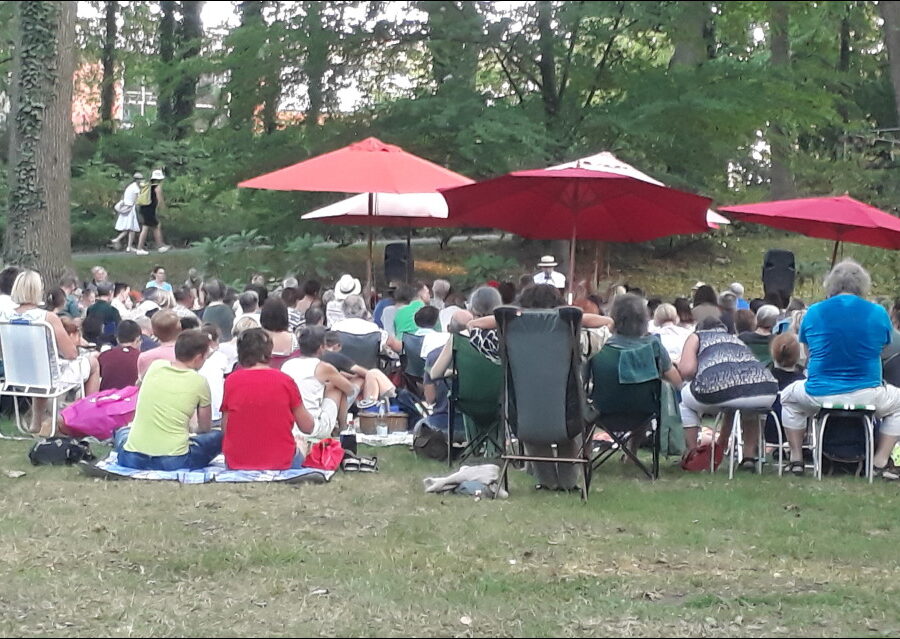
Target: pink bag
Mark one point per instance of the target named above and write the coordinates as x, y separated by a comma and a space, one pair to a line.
100, 414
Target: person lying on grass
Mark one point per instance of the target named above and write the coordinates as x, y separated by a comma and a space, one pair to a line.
171, 392
259, 410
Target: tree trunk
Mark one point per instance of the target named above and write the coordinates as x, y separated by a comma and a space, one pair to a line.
166, 74
243, 85
108, 85
690, 34
190, 37
547, 63
316, 63
782, 180
890, 13
38, 232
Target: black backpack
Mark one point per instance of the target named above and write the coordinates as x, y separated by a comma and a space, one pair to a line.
57, 451
844, 447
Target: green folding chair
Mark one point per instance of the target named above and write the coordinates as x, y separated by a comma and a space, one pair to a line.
475, 391
624, 411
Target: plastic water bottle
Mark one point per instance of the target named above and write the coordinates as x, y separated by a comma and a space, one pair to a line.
381, 428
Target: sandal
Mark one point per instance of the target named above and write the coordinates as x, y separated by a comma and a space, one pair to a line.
749, 463
350, 463
889, 472
796, 468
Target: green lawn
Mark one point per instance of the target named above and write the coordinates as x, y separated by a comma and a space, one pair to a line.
373, 555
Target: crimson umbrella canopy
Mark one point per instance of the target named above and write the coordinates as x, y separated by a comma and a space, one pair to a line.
369, 166
840, 218
577, 203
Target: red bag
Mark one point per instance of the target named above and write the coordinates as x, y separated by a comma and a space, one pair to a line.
325, 455
100, 414
697, 460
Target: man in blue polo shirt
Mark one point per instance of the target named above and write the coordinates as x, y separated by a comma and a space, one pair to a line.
844, 335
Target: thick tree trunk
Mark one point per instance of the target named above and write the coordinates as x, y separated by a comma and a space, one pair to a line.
166, 74
690, 34
547, 63
316, 63
190, 37
782, 181
108, 85
38, 232
890, 13
243, 85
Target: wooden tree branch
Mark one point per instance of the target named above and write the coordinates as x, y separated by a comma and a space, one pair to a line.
573, 38
601, 66
509, 78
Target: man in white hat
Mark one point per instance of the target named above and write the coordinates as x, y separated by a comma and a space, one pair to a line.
346, 286
548, 275
148, 212
126, 214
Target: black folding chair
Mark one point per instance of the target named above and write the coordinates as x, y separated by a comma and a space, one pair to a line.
543, 395
628, 413
413, 363
364, 350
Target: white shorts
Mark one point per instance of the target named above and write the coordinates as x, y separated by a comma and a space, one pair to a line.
797, 405
326, 420
692, 409
74, 371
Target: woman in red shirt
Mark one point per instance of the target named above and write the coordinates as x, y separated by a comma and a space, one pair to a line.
259, 410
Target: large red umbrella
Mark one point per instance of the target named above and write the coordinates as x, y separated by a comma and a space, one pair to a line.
369, 166
840, 218
576, 203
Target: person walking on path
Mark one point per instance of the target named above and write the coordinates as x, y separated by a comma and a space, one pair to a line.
126, 210
149, 203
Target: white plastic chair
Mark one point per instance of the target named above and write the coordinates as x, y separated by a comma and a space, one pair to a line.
31, 367
387, 319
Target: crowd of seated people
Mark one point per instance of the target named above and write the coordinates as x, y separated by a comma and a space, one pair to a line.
208, 357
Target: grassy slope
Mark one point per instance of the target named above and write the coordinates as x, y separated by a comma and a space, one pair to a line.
718, 259
688, 555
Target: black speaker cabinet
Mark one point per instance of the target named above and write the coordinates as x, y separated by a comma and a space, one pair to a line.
398, 263
778, 274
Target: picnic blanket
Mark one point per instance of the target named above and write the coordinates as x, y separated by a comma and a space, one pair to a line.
215, 472
397, 438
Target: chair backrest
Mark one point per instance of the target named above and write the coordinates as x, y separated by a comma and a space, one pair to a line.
541, 358
891, 370
477, 384
412, 349
387, 319
362, 349
611, 397
29, 354
761, 352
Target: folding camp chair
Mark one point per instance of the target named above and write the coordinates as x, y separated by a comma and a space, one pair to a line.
626, 412
31, 367
364, 350
475, 390
413, 363
543, 394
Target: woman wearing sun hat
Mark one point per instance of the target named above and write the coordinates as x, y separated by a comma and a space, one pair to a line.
346, 286
148, 212
548, 275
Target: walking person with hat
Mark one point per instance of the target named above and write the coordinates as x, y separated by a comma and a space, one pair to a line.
548, 275
150, 200
126, 211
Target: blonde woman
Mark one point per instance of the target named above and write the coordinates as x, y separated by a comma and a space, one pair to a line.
28, 295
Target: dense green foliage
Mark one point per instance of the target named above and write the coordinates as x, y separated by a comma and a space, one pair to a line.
692, 93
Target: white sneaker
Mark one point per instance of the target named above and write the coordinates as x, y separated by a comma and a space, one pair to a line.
141, 252
129, 249
164, 248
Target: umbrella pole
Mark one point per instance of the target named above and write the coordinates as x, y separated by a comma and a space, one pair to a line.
834, 252
408, 254
370, 281
571, 295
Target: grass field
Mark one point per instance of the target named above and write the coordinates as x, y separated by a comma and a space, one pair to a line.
374, 556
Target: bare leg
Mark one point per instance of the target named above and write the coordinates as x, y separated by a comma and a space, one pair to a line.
157, 235
340, 400
750, 430
376, 385
795, 440
883, 449
38, 409
92, 383
142, 238
130, 239
690, 438
725, 431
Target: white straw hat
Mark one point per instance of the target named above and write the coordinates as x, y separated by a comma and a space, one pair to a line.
346, 286
157, 175
548, 261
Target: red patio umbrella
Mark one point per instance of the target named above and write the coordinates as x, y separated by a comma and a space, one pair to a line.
575, 203
840, 218
369, 166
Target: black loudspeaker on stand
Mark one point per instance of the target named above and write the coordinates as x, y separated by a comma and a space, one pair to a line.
398, 262
778, 274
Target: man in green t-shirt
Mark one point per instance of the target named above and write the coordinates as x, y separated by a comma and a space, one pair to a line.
171, 392
409, 300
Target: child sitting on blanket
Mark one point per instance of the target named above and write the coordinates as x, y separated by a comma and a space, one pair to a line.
158, 438
259, 410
